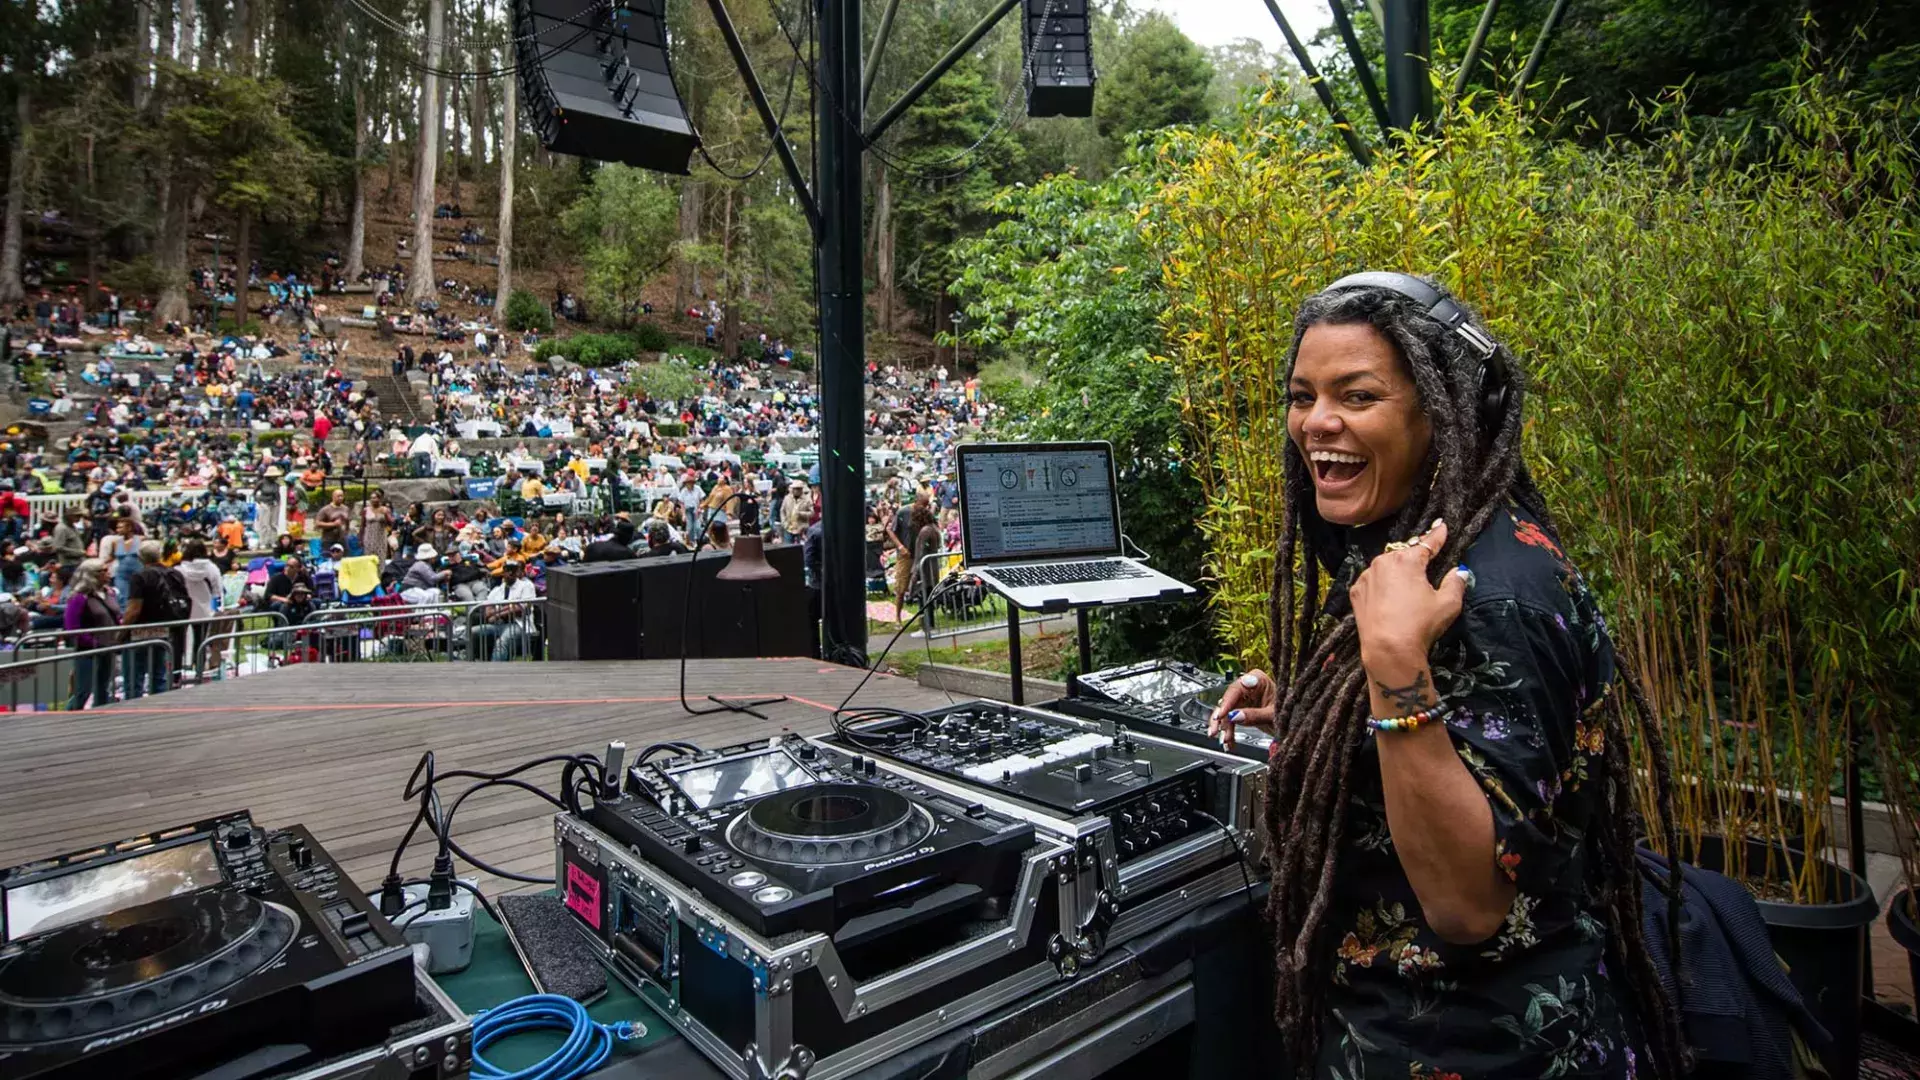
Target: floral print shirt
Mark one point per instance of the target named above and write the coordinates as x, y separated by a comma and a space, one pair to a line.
1523, 671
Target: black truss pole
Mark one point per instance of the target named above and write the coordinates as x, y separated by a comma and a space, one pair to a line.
972, 38
840, 273
1361, 69
1539, 49
1409, 45
1319, 84
765, 108
879, 50
1473, 47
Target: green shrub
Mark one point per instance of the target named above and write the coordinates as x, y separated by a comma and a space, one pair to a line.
650, 338
589, 350
698, 355
670, 429
226, 325
670, 380
802, 361
526, 312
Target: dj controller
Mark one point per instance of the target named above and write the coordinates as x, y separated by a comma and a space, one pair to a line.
810, 907
216, 948
1167, 698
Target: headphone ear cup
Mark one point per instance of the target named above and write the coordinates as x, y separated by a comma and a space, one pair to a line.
1495, 389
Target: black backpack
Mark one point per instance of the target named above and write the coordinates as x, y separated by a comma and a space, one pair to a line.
173, 602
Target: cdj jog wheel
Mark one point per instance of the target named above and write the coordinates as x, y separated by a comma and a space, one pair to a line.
104, 974
1196, 708
829, 824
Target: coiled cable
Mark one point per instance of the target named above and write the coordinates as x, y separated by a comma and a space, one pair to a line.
588, 1045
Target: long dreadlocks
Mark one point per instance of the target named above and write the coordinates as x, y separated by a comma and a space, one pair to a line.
1473, 470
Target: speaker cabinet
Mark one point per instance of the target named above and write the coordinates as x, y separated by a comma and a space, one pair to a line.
593, 611
596, 82
1059, 53
727, 619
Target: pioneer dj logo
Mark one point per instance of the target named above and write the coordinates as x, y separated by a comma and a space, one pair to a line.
900, 858
211, 1005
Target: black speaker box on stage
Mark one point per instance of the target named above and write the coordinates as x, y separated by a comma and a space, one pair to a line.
596, 81
1059, 58
593, 611
728, 618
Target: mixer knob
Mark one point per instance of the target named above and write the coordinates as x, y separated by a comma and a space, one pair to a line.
808, 751
239, 839
870, 766
692, 844
1006, 776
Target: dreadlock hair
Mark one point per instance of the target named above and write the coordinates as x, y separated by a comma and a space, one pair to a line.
1473, 470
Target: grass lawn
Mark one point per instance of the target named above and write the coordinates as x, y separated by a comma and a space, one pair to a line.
1042, 656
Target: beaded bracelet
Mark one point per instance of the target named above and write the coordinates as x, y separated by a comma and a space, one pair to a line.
1406, 723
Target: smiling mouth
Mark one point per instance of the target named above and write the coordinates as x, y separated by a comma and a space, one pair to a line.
1335, 470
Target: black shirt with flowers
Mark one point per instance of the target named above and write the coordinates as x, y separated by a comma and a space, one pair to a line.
1523, 671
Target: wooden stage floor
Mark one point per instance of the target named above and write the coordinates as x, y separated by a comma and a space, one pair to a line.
331, 747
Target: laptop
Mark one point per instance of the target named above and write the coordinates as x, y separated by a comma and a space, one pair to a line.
1040, 523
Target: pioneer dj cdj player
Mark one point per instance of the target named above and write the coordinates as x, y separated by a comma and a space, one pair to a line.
1163, 697
788, 906
216, 948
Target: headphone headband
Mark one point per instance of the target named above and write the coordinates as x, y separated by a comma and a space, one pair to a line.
1439, 307
1494, 387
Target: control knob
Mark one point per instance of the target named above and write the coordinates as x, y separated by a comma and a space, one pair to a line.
808, 751
239, 839
692, 844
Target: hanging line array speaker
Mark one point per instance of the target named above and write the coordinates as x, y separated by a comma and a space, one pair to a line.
1059, 55
597, 84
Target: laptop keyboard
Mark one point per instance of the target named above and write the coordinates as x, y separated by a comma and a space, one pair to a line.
1068, 573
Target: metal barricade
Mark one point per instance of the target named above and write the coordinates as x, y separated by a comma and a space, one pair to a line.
17, 674
397, 635
965, 607
528, 643
33, 637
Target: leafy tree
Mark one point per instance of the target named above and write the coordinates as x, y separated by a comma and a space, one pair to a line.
526, 312
623, 225
943, 191
1159, 78
1065, 293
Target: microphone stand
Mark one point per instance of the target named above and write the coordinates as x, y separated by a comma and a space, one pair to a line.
748, 706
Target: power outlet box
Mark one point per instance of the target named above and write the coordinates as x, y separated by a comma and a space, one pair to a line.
447, 933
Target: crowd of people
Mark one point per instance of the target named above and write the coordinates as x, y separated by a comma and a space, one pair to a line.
258, 439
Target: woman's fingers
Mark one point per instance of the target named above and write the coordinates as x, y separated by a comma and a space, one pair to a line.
1245, 689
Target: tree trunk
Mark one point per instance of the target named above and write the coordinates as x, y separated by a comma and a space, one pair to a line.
188, 31
173, 305
503, 243
357, 222
12, 288
477, 112
243, 35
883, 250
420, 283
453, 139
243, 266
691, 193
730, 311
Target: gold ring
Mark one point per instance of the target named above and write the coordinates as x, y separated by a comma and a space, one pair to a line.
1422, 543
1399, 545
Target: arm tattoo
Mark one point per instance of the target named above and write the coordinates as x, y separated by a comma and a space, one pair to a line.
1411, 698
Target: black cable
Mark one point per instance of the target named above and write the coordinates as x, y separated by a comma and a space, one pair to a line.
944, 584
1239, 854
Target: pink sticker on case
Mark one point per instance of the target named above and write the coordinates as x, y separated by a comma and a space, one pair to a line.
583, 895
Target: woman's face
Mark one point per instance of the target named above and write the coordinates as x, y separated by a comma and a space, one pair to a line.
1354, 414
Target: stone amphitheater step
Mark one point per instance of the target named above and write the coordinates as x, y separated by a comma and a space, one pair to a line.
396, 398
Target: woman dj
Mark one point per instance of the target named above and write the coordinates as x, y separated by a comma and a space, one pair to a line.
1450, 797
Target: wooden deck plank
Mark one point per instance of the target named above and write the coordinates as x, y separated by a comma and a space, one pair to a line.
331, 746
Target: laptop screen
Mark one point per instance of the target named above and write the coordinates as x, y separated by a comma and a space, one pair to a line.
1030, 501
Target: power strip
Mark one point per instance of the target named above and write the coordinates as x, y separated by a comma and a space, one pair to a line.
447, 933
